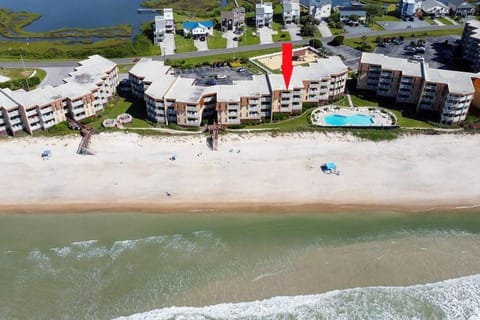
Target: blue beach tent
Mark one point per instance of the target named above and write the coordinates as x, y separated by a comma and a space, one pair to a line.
330, 166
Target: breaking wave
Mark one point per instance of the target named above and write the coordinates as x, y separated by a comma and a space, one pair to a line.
451, 299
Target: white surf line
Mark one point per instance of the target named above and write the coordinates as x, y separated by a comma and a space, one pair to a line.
268, 275
468, 207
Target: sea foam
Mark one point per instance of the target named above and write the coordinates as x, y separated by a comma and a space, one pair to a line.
450, 299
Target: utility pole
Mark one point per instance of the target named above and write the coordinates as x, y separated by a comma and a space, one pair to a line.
23, 64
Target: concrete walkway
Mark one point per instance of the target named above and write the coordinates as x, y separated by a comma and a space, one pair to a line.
200, 45
438, 22
229, 35
451, 20
324, 30
265, 35
294, 31
168, 44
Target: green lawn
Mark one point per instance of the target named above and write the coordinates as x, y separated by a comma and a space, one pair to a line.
444, 21
183, 44
118, 106
387, 18
248, 39
281, 35
376, 27
216, 42
295, 123
403, 122
336, 31
430, 21
124, 68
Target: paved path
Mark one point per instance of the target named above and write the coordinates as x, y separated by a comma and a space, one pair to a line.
168, 44
438, 22
186, 55
324, 30
294, 31
229, 35
451, 20
200, 45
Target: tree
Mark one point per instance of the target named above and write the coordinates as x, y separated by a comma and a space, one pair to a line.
307, 30
373, 11
353, 17
338, 40
315, 43
364, 46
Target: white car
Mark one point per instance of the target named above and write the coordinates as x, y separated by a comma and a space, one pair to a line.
221, 76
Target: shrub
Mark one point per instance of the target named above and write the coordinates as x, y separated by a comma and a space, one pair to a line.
338, 40
315, 43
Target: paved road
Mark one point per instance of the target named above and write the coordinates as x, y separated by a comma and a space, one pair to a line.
44, 64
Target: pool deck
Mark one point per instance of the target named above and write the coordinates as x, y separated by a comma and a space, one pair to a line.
381, 118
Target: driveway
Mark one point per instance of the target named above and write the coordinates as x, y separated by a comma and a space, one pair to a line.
200, 45
168, 44
324, 30
294, 31
229, 35
266, 35
358, 29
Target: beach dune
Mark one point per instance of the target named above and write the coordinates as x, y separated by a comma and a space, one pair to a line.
248, 172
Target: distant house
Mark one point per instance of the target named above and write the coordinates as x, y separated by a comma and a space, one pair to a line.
263, 14
233, 20
461, 8
408, 7
434, 8
163, 24
319, 9
197, 29
347, 12
291, 11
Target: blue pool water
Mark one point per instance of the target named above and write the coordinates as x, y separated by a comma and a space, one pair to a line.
355, 120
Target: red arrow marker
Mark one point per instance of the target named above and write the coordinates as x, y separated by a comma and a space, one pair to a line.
287, 67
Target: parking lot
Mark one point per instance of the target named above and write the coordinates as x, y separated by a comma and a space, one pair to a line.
438, 53
218, 75
401, 25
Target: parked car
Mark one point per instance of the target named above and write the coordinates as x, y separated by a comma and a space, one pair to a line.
241, 69
221, 76
235, 39
411, 19
202, 38
417, 57
409, 47
397, 41
211, 82
420, 49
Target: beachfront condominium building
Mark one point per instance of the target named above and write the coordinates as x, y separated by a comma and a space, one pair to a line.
83, 94
471, 44
291, 11
411, 82
263, 14
188, 102
319, 9
163, 24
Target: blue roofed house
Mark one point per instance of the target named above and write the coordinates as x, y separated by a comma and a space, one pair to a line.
197, 29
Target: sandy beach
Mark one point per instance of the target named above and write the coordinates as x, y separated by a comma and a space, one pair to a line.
251, 172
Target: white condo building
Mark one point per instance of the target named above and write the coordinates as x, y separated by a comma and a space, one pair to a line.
174, 99
410, 82
84, 93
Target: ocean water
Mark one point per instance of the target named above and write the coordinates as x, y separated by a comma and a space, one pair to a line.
243, 266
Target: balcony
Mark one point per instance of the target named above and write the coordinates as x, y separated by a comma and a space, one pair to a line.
15, 121
13, 113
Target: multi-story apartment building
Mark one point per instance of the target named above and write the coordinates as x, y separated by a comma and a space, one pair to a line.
84, 93
291, 11
319, 9
163, 24
263, 14
471, 44
173, 99
411, 82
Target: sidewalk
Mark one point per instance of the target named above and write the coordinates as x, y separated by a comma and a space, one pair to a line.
324, 30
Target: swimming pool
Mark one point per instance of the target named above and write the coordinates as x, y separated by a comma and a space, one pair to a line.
353, 120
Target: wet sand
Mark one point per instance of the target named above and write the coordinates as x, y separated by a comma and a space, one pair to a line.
405, 261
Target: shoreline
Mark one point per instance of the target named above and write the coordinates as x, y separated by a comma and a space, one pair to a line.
249, 173
240, 208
